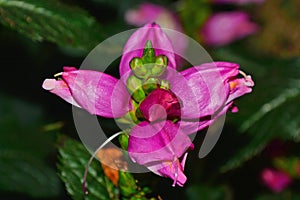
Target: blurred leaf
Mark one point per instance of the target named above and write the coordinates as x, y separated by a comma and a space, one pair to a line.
275, 111
288, 164
206, 192
72, 162
26, 174
193, 14
23, 146
51, 21
286, 195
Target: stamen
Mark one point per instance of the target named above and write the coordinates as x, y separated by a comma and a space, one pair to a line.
243, 74
58, 74
92, 158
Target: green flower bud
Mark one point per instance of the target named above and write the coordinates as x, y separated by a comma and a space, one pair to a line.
123, 140
150, 85
160, 65
164, 84
136, 65
134, 85
149, 53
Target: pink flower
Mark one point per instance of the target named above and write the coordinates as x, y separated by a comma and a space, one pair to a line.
165, 105
275, 180
237, 1
148, 13
226, 27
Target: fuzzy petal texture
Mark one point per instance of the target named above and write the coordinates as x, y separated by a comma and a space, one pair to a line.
226, 27
161, 147
203, 90
136, 43
96, 92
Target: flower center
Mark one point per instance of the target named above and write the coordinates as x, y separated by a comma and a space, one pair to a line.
151, 98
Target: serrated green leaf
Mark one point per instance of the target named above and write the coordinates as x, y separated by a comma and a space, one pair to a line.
275, 111
72, 162
23, 147
52, 21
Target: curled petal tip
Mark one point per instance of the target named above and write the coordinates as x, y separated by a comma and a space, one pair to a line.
49, 84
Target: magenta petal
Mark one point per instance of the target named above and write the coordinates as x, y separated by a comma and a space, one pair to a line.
98, 93
160, 104
161, 141
204, 89
136, 43
190, 127
173, 170
61, 89
161, 148
240, 87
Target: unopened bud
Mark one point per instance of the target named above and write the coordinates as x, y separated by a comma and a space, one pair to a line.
149, 53
134, 86
160, 65
136, 64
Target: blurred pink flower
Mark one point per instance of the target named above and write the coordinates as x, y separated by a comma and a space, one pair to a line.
148, 13
226, 27
237, 1
275, 180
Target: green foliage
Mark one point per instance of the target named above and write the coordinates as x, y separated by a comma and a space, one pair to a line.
23, 148
64, 25
73, 158
72, 162
287, 195
193, 14
289, 165
272, 114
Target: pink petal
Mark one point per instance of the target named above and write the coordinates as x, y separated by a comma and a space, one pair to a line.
169, 169
158, 142
203, 90
61, 89
145, 13
223, 28
241, 86
190, 127
148, 13
98, 93
159, 105
136, 43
